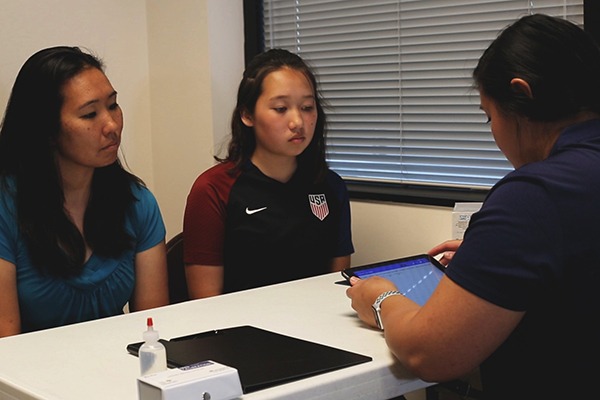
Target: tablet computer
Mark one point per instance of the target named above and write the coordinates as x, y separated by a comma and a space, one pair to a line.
416, 277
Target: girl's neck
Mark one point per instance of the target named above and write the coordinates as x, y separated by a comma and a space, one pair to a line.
279, 168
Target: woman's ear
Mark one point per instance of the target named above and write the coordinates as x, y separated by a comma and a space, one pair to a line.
247, 118
519, 85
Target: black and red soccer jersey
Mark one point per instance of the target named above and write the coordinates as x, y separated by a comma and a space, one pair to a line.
263, 231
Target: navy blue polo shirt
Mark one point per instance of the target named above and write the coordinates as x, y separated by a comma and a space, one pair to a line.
533, 247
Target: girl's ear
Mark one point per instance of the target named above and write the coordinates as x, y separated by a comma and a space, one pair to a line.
519, 85
247, 118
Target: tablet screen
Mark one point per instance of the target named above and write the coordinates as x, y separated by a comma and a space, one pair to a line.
416, 277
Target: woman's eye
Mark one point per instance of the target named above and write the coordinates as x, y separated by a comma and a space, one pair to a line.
280, 109
114, 106
89, 115
488, 120
308, 108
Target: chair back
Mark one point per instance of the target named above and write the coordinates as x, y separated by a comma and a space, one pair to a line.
177, 283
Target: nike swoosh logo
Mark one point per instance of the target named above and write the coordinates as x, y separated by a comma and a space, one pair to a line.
250, 212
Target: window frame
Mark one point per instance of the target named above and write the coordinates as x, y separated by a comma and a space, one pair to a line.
435, 195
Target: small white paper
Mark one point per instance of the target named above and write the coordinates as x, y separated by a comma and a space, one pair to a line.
461, 216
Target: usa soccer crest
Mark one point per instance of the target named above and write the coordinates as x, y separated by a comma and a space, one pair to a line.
318, 205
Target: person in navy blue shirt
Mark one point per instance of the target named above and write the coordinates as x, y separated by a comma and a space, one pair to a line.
520, 296
270, 211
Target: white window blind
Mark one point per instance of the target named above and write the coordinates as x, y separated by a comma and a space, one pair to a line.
397, 77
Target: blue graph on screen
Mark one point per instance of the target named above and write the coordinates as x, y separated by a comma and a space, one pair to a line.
416, 279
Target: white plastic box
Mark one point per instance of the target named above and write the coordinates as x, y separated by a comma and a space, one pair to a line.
203, 380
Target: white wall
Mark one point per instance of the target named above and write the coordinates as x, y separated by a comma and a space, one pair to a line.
176, 66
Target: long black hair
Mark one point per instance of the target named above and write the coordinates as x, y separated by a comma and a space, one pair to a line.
243, 141
559, 60
28, 170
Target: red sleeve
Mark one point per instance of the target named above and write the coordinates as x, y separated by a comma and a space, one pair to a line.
205, 214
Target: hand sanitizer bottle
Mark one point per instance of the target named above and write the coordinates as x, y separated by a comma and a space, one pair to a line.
152, 354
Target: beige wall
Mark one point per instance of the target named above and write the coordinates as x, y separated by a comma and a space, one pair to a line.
176, 66
115, 30
196, 60
388, 230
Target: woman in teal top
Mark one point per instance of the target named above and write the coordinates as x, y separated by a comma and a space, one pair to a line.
80, 237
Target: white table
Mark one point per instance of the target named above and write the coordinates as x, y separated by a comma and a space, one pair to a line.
89, 360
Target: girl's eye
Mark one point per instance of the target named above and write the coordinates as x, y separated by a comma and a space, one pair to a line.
488, 120
114, 106
308, 108
280, 109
